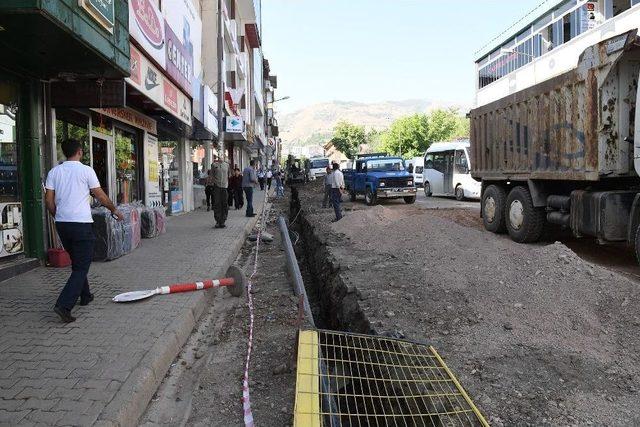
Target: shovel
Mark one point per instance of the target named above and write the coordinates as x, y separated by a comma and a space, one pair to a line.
234, 283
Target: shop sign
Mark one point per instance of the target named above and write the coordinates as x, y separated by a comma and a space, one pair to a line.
131, 117
103, 11
156, 86
146, 26
235, 124
176, 201
183, 34
153, 195
210, 113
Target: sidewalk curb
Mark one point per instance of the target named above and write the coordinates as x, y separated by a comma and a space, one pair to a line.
130, 402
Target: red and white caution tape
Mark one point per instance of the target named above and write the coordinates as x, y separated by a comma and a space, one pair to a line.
246, 399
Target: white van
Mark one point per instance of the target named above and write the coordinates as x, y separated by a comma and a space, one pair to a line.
418, 171
318, 167
447, 171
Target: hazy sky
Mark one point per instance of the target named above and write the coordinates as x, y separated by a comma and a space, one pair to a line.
376, 50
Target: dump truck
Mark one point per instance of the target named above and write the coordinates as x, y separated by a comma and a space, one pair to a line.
562, 151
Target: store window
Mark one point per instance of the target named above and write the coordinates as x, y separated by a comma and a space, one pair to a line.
127, 181
74, 125
171, 183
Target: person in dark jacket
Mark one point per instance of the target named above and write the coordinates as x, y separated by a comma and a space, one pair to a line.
235, 189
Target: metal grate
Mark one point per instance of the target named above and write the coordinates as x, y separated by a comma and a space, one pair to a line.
358, 380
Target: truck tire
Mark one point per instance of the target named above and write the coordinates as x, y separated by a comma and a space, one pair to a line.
427, 189
525, 223
493, 207
352, 196
459, 193
410, 200
370, 197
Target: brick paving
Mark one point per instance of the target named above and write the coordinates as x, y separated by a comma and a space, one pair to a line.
104, 368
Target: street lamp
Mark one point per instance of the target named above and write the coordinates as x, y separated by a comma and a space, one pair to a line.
284, 98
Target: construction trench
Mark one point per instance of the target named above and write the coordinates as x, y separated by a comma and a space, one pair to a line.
367, 376
505, 318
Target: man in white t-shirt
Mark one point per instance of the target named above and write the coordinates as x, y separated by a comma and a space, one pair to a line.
69, 186
337, 185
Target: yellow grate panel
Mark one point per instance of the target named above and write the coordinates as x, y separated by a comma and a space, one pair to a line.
358, 380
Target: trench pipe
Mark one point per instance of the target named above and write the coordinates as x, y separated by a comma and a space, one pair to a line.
300, 290
294, 270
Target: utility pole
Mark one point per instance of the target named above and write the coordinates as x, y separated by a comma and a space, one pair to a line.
220, 49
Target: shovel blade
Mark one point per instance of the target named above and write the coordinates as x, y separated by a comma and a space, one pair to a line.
134, 296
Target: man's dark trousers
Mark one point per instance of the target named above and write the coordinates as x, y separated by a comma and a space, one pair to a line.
78, 240
208, 191
336, 201
220, 205
248, 191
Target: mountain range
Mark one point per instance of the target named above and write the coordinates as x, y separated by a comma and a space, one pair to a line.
313, 125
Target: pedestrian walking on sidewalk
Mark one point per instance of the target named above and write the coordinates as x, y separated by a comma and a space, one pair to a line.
68, 188
235, 189
269, 176
208, 189
261, 178
327, 187
279, 184
337, 185
220, 184
249, 181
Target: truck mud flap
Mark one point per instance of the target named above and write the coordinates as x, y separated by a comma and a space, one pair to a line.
603, 214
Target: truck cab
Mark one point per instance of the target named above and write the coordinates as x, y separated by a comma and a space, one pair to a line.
380, 177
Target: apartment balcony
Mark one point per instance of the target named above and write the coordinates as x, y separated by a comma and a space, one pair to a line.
243, 65
251, 15
230, 31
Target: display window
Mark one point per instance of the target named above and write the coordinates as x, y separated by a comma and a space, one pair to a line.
127, 167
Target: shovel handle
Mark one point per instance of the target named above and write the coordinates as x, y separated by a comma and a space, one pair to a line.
189, 287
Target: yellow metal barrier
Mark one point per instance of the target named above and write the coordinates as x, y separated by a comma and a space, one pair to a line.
350, 379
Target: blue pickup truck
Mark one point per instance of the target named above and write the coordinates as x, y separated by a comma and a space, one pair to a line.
379, 176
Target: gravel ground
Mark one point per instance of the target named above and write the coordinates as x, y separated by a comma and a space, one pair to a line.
204, 385
537, 335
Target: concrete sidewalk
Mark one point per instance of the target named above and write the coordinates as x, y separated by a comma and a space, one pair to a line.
105, 367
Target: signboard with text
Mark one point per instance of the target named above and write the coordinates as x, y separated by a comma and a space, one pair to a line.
103, 11
210, 113
156, 86
152, 182
235, 124
146, 26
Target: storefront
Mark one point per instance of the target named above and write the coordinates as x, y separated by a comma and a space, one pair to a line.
48, 53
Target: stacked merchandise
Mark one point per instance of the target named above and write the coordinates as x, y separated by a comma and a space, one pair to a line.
116, 238
110, 241
153, 221
161, 221
148, 217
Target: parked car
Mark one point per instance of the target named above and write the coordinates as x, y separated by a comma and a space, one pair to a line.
447, 171
379, 177
418, 171
317, 167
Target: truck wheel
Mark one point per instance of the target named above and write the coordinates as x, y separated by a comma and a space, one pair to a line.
352, 196
410, 200
427, 189
493, 203
370, 197
459, 193
525, 222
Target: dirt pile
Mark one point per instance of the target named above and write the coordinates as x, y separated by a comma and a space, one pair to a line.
537, 335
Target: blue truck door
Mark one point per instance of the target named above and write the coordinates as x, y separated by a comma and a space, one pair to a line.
361, 176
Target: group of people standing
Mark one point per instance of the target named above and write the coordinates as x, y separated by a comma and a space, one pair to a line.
333, 188
225, 188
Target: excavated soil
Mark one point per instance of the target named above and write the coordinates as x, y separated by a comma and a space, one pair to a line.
537, 335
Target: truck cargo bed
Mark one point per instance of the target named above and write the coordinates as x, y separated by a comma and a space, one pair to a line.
576, 126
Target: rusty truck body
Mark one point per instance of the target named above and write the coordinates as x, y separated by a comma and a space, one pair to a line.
562, 151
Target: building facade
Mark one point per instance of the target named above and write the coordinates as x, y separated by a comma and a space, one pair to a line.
136, 82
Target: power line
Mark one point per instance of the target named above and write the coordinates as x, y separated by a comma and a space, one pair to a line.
512, 25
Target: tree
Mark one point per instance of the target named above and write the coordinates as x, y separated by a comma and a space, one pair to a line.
407, 136
348, 137
411, 136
